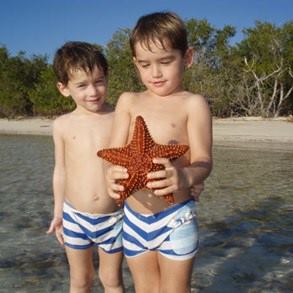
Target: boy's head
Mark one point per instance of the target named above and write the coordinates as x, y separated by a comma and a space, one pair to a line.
165, 28
160, 52
74, 56
82, 70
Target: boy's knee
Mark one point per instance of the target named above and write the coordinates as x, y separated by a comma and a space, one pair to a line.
110, 279
83, 283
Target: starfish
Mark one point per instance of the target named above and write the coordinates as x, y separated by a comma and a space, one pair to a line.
138, 156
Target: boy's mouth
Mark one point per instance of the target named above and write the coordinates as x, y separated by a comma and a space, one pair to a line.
95, 100
158, 83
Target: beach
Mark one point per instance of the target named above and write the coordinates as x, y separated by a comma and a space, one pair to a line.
244, 213
253, 132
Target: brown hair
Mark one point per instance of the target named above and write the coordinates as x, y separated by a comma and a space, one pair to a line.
73, 55
164, 27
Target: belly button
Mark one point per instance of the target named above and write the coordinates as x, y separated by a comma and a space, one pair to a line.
96, 197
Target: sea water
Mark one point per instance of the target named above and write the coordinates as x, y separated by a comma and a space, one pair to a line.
245, 218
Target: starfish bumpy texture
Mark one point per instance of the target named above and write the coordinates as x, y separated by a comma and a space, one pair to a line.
138, 156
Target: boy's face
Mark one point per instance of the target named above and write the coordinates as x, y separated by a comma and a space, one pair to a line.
161, 70
87, 89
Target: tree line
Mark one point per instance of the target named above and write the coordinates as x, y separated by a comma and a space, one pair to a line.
253, 77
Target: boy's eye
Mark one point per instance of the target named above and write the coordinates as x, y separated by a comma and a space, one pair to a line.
81, 85
100, 81
165, 62
144, 65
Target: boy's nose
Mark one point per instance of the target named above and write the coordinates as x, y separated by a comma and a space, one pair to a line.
156, 71
93, 89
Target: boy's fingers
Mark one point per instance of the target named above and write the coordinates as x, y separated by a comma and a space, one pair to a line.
162, 161
117, 187
112, 194
119, 175
117, 172
160, 183
165, 191
165, 173
60, 239
51, 229
117, 168
157, 174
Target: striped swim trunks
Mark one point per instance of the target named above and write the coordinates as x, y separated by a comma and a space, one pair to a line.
172, 232
83, 230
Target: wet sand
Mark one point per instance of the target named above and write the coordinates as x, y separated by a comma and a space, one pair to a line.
234, 132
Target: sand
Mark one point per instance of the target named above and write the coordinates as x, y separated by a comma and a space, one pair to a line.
232, 132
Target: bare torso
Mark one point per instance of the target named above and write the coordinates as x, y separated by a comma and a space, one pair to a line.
85, 187
167, 122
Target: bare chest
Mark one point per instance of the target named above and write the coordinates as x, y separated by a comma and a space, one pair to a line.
85, 141
167, 123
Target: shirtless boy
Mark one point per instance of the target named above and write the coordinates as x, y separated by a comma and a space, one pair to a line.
163, 263
85, 217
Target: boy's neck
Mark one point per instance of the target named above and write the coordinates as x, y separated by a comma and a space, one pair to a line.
174, 93
106, 108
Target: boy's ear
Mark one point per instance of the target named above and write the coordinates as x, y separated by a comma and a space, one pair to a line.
135, 65
134, 61
63, 89
188, 58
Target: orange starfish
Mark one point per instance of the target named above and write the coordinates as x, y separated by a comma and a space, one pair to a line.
138, 156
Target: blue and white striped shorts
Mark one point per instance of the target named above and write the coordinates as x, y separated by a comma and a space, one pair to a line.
83, 230
173, 232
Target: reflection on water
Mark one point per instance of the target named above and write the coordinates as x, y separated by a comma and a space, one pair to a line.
245, 214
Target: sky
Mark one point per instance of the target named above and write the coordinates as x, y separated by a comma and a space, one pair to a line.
39, 27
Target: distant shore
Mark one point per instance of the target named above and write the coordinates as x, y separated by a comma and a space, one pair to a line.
231, 132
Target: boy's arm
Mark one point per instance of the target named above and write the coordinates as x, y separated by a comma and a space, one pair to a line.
119, 136
199, 129
58, 181
121, 121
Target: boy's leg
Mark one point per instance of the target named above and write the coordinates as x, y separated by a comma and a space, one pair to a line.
145, 272
175, 274
110, 271
81, 269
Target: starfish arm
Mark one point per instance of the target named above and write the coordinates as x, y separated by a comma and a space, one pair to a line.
130, 185
171, 152
141, 141
117, 156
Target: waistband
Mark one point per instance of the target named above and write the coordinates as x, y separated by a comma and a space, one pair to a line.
168, 210
69, 206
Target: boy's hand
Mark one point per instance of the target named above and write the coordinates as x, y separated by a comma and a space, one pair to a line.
115, 173
56, 226
169, 176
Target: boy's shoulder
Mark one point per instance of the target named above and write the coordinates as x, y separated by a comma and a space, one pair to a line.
192, 96
62, 122
192, 99
128, 96
63, 118
126, 99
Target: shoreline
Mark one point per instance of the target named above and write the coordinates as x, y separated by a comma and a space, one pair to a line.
243, 132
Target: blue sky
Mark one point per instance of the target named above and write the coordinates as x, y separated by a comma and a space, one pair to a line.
41, 26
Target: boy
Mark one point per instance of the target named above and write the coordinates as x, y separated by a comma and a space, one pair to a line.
90, 217
160, 241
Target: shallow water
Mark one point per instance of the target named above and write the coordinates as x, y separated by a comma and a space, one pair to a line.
245, 214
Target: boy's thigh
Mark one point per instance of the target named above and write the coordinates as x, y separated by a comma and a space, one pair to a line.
145, 271
80, 262
110, 262
175, 275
